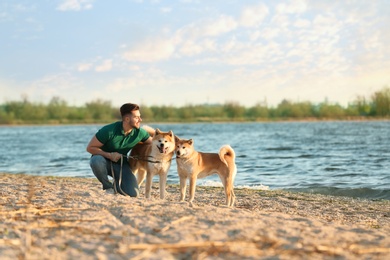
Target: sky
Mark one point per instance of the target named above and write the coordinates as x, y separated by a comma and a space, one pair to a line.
189, 52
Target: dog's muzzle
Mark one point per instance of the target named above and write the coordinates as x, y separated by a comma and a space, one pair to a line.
162, 148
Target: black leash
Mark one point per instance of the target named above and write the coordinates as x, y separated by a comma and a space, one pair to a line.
138, 158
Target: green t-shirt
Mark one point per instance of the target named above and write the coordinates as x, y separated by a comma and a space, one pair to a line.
114, 139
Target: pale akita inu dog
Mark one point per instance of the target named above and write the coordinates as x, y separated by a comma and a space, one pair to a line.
193, 165
153, 159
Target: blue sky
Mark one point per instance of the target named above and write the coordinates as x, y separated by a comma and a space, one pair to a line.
193, 52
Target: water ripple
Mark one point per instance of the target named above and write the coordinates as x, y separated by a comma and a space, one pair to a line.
339, 158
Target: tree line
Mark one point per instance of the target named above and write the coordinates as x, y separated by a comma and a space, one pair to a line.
57, 111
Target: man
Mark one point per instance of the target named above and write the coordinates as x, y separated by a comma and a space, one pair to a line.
109, 148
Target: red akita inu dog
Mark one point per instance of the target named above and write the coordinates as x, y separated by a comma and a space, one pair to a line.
193, 165
153, 159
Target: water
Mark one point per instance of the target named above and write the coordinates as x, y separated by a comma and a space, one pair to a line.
338, 158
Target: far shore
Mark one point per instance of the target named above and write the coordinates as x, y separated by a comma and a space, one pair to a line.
212, 121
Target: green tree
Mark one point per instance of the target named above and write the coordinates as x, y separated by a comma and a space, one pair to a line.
327, 110
100, 110
258, 111
287, 109
362, 106
146, 113
57, 109
186, 113
381, 102
164, 113
234, 110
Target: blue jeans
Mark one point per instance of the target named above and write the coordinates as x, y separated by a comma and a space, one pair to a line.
101, 167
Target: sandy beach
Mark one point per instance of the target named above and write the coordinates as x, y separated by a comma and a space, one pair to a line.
72, 218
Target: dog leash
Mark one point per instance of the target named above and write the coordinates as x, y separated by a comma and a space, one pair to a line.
120, 178
138, 158
120, 172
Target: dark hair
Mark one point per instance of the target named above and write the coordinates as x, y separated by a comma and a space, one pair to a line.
128, 108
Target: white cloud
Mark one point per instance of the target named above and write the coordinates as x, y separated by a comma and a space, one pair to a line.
106, 65
191, 48
302, 23
253, 16
75, 5
220, 26
151, 51
293, 7
281, 21
207, 28
269, 33
84, 67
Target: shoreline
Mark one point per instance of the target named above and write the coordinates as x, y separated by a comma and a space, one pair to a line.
212, 121
70, 217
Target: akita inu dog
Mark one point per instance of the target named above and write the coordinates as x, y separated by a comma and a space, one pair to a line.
193, 165
153, 159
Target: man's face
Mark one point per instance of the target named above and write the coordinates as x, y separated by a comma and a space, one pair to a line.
134, 119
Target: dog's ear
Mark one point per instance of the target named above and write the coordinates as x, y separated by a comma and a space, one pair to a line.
158, 131
191, 142
171, 133
177, 139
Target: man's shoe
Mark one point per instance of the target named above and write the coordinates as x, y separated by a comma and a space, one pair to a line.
109, 191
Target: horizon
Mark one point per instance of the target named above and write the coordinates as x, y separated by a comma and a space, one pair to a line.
178, 53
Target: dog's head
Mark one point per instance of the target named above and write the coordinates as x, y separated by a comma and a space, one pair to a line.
164, 141
183, 147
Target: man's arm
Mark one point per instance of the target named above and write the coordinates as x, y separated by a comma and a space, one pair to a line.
94, 148
149, 141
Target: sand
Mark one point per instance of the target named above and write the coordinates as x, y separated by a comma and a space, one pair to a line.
72, 218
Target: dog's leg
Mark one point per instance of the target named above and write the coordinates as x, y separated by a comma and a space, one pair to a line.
140, 173
229, 196
229, 192
183, 186
192, 188
163, 181
227, 182
148, 184
233, 200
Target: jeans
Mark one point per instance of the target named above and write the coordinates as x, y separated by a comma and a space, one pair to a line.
101, 168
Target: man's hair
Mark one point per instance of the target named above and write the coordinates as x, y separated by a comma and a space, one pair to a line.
128, 108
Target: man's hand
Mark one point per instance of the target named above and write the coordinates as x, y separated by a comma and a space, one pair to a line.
115, 156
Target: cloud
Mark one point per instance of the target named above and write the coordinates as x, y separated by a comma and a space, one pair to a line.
207, 28
84, 67
253, 16
294, 7
302, 23
151, 51
75, 5
106, 65
191, 48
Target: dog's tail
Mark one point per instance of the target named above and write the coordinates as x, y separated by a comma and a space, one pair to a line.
227, 154
228, 157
